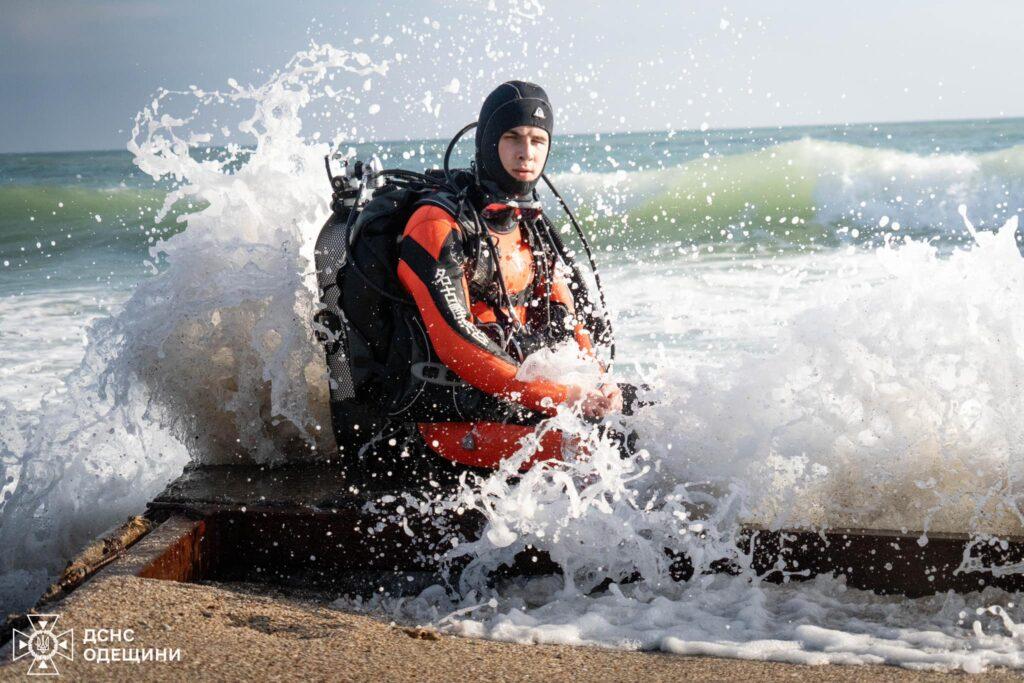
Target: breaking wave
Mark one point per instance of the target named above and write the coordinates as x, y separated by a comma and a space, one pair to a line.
803, 193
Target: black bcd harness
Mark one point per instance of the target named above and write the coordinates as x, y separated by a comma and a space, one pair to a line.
379, 356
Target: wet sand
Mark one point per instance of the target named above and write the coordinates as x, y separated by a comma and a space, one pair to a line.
232, 632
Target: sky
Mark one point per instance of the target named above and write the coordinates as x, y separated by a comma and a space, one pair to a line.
74, 73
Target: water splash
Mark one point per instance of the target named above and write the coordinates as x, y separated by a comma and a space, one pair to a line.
213, 358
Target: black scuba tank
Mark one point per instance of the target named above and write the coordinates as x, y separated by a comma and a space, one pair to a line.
368, 323
359, 294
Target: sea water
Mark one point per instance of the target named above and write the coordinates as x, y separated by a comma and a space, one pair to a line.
825, 319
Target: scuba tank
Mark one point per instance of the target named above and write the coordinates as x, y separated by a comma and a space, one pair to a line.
356, 258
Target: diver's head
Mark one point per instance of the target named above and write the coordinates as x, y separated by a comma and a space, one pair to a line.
513, 135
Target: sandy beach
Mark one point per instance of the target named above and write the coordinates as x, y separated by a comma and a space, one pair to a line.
239, 632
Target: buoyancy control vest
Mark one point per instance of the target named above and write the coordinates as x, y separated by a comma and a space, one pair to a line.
377, 350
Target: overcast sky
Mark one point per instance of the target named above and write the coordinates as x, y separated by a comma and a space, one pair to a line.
73, 74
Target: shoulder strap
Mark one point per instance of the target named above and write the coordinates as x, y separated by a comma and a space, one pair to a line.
480, 269
451, 205
445, 200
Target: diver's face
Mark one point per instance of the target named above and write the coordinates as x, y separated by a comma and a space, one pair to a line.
523, 151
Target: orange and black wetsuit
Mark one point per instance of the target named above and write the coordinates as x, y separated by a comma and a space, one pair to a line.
432, 267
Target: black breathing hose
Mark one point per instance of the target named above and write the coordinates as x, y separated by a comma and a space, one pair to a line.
590, 257
451, 146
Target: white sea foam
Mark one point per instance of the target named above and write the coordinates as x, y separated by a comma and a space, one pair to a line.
873, 388
42, 338
563, 363
814, 623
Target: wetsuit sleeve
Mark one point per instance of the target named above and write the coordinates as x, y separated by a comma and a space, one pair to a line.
430, 268
561, 294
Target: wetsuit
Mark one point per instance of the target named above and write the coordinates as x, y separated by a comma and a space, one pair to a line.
471, 411
497, 408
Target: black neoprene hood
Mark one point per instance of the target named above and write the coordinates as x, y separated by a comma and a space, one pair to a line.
511, 104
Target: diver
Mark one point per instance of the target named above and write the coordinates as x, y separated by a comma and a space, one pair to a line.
483, 281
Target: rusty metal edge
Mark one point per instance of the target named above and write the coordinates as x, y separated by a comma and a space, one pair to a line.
884, 561
138, 547
910, 534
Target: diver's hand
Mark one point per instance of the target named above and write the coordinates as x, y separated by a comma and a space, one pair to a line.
596, 403
614, 396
